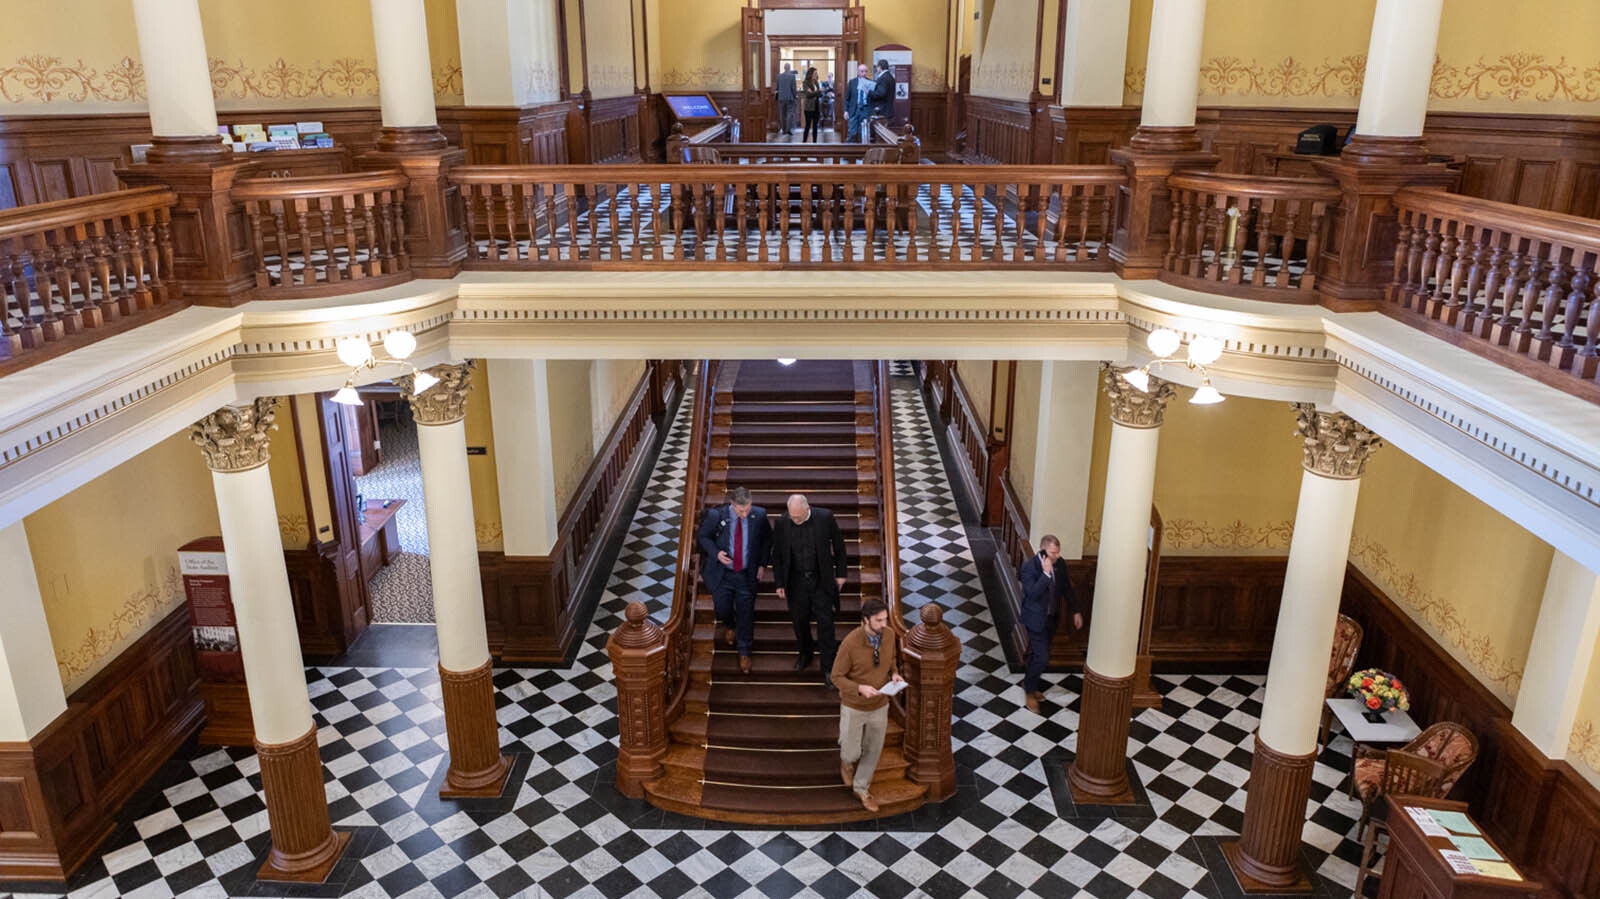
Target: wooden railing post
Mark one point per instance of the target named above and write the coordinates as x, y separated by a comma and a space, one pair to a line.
1144, 208
435, 235
638, 651
211, 253
1357, 262
931, 656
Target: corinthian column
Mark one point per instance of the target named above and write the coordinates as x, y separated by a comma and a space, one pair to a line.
466, 672
234, 442
1266, 856
1098, 774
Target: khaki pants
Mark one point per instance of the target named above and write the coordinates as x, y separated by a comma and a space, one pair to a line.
861, 741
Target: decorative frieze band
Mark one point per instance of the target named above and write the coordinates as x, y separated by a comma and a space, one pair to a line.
1335, 445
444, 402
235, 438
1130, 406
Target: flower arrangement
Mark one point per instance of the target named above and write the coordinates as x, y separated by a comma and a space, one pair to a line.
1379, 691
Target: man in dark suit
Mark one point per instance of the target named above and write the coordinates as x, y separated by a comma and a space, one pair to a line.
1044, 588
786, 99
809, 567
882, 95
734, 541
857, 104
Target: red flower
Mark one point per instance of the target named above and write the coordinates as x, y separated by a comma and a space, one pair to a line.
1373, 702
1366, 683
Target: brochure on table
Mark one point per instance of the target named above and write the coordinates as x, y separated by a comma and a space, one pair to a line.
1469, 853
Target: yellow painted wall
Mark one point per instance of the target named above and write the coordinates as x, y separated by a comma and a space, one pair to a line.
1271, 53
1025, 432
609, 24
922, 25
622, 376
444, 51
977, 375
1227, 477
1471, 577
479, 426
571, 442
1004, 68
106, 554
288, 481
1583, 751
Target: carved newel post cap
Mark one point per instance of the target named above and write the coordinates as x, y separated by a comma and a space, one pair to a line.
636, 613
932, 615
637, 631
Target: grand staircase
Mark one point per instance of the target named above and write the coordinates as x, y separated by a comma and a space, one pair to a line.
763, 747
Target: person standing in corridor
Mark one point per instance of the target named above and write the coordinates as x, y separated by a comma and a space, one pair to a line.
1044, 588
787, 93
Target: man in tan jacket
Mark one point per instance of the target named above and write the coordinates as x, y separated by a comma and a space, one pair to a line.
864, 666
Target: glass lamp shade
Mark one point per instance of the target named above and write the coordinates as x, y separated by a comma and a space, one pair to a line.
399, 344
347, 396
1139, 378
421, 382
1163, 342
1205, 350
354, 352
1206, 395
786, 361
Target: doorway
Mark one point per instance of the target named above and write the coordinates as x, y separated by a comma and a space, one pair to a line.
826, 52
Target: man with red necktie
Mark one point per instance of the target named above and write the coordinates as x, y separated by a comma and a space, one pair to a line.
733, 541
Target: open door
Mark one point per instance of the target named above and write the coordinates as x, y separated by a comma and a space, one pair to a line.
339, 442
753, 63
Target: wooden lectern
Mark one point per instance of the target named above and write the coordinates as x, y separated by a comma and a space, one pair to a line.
1414, 866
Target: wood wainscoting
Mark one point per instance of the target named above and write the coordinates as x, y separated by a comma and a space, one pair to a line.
1541, 811
509, 135
532, 604
614, 129
999, 132
968, 438
60, 791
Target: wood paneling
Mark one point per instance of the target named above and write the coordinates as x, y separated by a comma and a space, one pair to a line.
930, 118
59, 792
999, 132
509, 135
614, 130
531, 603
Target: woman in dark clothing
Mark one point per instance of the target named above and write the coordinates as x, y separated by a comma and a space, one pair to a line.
811, 94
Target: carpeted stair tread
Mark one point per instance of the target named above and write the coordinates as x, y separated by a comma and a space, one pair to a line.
845, 455
771, 636
818, 767
836, 802
795, 479
773, 699
802, 433
769, 412
786, 732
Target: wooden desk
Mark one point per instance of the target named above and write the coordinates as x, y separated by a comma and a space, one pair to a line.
380, 535
1413, 866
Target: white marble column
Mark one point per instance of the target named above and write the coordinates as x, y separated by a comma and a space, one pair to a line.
234, 441
405, 76
1062, 447
1400, 54
31, 695
1172, 68
466, 671
519, 391
1098, 772
1336, 449
177, 79
1095, 53
1559, 658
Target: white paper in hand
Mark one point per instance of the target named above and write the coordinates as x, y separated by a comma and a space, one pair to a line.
891, 688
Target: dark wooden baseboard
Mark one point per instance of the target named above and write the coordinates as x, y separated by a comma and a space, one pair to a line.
60, 791
533, 604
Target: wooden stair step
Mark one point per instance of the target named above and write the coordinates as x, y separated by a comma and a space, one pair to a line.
807, 805
818, 767
771, 636
843, 455
755, 433
786, 732
791, 411
789, 698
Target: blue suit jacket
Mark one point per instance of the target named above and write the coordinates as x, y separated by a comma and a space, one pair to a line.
716, 535
1043, 597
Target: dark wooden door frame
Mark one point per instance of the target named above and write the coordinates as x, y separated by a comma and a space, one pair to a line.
775, 45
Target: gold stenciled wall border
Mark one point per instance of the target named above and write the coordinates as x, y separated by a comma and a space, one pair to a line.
38, 78
702, 78
1518, 76
1212, 537
1584, 745
133, 619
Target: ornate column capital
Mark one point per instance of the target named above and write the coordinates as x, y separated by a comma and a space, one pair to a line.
445, 402
234, 438
1130, 406
1335, 445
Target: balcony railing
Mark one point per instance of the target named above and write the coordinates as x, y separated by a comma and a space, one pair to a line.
863, 216
324, 234
1524, 280
1248, 235
79, 265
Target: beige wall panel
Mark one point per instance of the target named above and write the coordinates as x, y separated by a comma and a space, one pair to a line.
1025, 433
288, 481
479, 427
609, 25
1004, 70
571, 441
977, 375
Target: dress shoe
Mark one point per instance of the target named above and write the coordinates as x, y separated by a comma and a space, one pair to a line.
1032, 703
725, 634
801, 661
744, 664
1037, 696
848, 772
827, 680
867, 802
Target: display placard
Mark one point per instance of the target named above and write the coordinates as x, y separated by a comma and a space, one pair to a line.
693, 107
204, 567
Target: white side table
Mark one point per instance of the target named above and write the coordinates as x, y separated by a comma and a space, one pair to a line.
1397, 726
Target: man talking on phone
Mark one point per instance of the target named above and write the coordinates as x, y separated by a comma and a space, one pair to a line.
1044, 588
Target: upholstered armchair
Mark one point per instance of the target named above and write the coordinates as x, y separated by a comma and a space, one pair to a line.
1448, 744
1346, 643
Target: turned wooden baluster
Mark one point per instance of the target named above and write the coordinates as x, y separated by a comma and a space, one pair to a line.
1477, 270
1550, 303
401, 253
1456, 294
1108, 197
1402, 256
355, 265
1480, 323
1565, 349
1430, 261
1196, 212
1284, 277
332, 271
1178, 233
101, 253
1517, 272
299, 218
155, 261
64, 262
44, 285
10, 308
1443, 285
30, 329
170, 288
1538, 273
471, 196
635, 193
383, 237
81, 274
1421, 227
121, 260
1587, 363
508, 208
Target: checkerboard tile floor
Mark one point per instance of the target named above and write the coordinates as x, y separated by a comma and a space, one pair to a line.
201, 829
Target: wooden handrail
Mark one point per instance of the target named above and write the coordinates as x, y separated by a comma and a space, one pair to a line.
308, 186
1109, 175
317, 235
1522, 284
888, 509
1248, 235
1256, 185
679, 628
70, 268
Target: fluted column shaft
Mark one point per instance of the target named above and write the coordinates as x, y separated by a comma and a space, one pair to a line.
466, 674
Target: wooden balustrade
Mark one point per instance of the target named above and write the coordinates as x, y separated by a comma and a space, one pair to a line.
73, 266
1248, 235
326, 234
790, 154
888, 511
1521, 279
867, 216
679, 629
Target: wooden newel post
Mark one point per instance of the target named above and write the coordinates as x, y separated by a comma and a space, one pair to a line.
638, 651
932, 655
676, 141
